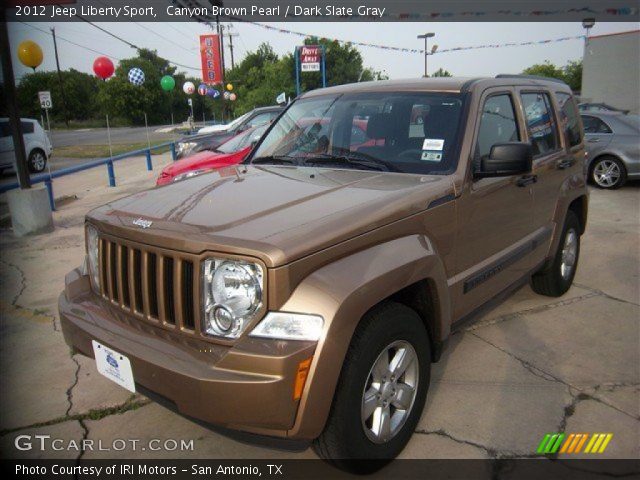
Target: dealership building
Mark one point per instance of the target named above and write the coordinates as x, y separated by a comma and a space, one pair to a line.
611, 70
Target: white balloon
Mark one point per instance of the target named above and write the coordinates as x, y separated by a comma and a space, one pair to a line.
188, 88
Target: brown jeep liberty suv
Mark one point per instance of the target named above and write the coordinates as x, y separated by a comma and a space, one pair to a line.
304, 294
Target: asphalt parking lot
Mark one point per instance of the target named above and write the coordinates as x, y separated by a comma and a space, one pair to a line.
532, 366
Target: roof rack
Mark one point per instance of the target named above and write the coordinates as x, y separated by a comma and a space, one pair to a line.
530, 77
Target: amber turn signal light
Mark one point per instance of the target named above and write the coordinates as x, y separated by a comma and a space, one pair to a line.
301, 378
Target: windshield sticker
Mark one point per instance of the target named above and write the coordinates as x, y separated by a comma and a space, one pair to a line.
431, 156
433, 144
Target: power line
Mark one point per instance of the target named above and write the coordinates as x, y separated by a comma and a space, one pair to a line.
71, 42
163, 38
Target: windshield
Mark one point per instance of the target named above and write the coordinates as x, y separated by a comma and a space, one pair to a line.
242, 140
402, 131
237, 121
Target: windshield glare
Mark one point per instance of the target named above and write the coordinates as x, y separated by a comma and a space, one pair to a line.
242, 140
410, 132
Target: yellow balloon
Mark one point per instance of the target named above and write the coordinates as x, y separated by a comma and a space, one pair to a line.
229, 87
30, 54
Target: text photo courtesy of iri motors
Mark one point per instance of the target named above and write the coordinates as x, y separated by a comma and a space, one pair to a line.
312, 239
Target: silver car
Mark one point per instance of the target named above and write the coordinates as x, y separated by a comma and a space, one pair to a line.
613, 148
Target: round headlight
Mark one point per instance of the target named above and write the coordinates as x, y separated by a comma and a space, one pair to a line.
233, 294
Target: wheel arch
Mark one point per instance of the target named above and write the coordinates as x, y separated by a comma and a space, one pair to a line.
344, 291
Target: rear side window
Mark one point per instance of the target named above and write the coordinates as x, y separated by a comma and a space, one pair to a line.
5, 130
27, 127
569, 118
497, 124
594, 125
540, 123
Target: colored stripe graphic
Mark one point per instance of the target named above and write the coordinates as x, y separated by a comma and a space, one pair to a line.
573, 443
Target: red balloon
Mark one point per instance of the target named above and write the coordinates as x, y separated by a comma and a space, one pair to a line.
103, 67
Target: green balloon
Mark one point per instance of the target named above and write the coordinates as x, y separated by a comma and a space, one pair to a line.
167, 83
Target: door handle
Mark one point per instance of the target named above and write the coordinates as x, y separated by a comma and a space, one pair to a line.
593, 140
562, 164
526, 180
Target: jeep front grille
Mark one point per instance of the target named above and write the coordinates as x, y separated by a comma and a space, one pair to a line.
155, 285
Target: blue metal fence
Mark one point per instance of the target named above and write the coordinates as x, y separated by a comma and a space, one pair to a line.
47, 178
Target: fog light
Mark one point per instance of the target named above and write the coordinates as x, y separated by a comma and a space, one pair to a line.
223, 319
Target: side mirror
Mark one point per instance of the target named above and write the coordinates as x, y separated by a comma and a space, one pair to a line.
506, 159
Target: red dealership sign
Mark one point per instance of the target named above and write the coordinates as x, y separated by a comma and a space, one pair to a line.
210, 58
310, 58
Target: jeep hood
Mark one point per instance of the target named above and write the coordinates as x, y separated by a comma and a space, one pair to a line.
276, 213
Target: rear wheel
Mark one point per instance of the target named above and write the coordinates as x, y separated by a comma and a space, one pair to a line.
608, 172
557, 278
37, 161
381, 391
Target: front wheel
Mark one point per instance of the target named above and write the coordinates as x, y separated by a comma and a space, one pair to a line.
381, 391
556, 279
37, 161
608, 173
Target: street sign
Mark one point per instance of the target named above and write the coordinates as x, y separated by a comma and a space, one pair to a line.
45, 100
189, 102
310, 58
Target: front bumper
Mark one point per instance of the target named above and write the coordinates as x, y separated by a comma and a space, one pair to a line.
247, 386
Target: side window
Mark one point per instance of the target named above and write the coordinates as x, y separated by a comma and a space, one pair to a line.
27, 127
497, 124
5, 130
540, 123
594, 125
260, 119
569, 118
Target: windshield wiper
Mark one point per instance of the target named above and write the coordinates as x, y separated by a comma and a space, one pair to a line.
352, 158
277, 159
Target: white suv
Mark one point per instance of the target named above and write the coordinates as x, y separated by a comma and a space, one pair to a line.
36, 143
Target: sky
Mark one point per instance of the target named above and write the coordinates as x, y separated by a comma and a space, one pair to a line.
179, 42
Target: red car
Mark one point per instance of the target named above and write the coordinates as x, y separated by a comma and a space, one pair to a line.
232, 152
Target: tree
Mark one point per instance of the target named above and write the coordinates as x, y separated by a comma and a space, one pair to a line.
571, 73
80, 88
441, 73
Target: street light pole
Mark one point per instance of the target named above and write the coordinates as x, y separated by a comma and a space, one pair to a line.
426, 37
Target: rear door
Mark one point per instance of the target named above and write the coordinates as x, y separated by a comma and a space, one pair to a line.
597, 134
551, 162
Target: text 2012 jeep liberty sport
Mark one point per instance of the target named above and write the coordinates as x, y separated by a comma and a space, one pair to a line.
304, 294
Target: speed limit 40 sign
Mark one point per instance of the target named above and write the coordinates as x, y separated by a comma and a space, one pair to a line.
45, 99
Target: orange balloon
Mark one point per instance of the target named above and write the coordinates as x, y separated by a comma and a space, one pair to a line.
30, 54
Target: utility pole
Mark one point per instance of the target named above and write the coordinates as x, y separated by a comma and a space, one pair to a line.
64, 100
426, 37
12, 106
231, 35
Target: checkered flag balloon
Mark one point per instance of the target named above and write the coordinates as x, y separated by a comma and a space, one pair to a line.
136, 76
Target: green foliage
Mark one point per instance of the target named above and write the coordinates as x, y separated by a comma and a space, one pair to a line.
571, 73
80, 94
258, 79
441, 73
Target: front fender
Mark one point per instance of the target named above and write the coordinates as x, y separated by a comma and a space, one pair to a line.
342, 292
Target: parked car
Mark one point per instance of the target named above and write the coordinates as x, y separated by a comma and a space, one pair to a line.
305, 295
600, 107
231, 152
36, 142
613, 148
208, 141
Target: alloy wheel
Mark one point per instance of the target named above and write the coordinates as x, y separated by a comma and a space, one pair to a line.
606, 173
390, 391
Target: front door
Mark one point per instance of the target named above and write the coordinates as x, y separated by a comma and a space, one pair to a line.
495, 214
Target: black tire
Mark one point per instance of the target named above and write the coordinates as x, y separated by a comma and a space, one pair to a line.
551, 281
344, 441
37, 161
608, 160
